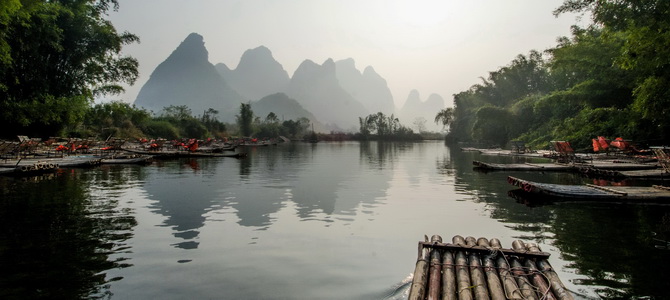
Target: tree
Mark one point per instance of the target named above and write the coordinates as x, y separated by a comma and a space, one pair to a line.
644, 28
245, 119
116, 118
58, 57
212, 123
492, 125
272, 118
386, 127
445, 117
420, 124
177, 112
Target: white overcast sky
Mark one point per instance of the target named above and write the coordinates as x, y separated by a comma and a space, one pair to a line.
434, 46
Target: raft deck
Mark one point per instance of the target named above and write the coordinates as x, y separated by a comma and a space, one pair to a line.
593, 192
472, 268
179, 154
559, 167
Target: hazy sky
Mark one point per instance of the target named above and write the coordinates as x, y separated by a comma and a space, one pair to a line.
434, 46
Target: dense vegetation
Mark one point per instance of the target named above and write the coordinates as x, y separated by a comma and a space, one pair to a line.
55, 57
123, 120
611, 79
381, 127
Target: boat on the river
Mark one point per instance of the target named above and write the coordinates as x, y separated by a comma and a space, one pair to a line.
639, 194
32, 166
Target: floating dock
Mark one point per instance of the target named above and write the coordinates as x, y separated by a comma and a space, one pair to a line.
470, 268
638, 194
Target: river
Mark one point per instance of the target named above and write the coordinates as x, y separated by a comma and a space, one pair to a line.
332, 220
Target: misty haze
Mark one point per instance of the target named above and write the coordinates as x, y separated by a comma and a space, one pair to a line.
349, 149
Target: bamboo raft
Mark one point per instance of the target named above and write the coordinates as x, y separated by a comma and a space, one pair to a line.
472, 268
654, 193
561, 167
187, 154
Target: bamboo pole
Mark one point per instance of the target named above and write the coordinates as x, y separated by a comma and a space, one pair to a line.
448, 277
462, 274
483, 250
476, 272
511, 288
527, 289
557, 286
536, 277
435, 271
493, 281
418, 289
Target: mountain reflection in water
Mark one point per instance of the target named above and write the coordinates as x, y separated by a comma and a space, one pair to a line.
296, 221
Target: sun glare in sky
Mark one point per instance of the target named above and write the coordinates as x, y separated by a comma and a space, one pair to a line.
420, 13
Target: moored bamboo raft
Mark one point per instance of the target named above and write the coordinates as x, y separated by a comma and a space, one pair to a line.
524, 167
181, 153
470, 268
613, 165
638, 194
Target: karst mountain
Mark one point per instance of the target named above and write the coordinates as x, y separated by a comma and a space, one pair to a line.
333, 94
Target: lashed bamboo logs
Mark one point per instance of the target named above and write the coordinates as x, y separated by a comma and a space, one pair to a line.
435, 271
476, 272
527, 289
556, 285
481, 269
448, 277
462, 275
492, 279
508, 282
536, 277
418, 289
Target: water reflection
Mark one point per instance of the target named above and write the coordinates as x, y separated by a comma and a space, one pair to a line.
183, 192
360, 204
59, 236
611, 247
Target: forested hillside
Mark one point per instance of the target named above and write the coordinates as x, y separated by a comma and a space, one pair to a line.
610, 79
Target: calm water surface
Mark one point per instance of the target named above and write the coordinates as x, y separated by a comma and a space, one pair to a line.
303, 221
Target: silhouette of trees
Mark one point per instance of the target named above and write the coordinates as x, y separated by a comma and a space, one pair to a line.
384, 127
245, 119
445, 117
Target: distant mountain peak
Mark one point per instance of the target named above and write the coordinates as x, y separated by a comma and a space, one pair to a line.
187, 77
192, 49
256, 57
257, 74
369, 70
347, 62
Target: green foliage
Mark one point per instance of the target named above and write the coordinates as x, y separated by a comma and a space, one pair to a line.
180, 116
295, 128
445, 117
611, 78
492, 124
213, 125
55, 57
118, 119
589, 123
384, 127
245, 119
161, 129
